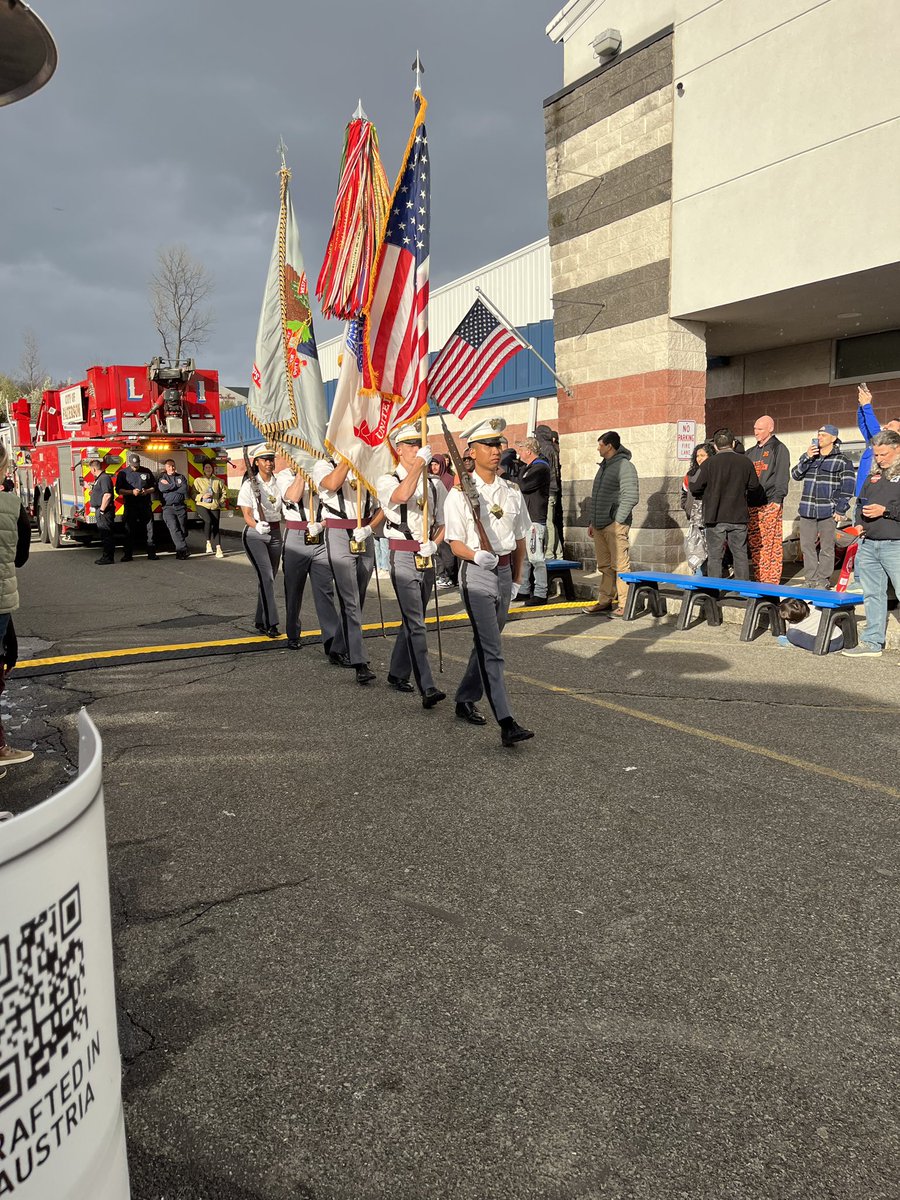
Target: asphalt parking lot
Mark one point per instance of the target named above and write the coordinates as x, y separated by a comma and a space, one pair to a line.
365, 952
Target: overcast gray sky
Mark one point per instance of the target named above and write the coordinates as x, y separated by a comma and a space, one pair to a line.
161, 123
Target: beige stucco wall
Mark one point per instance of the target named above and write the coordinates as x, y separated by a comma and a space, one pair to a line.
579, 22
786, 162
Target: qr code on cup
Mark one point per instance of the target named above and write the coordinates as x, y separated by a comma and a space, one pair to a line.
43, 1009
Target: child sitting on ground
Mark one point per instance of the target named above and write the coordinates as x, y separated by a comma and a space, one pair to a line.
803, 625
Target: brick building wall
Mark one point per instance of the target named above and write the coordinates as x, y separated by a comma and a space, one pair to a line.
630, 367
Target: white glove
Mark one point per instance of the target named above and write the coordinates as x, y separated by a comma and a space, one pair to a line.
362, 532
314, 528
263, 528
515, 591
484, 558
428, 549
424, 452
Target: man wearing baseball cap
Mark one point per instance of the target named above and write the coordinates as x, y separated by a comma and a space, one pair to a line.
827, 476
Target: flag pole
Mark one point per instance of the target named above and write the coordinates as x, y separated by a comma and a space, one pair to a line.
528, 346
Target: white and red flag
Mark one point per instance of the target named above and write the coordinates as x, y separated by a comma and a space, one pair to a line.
358, 425
396, 349
475, 352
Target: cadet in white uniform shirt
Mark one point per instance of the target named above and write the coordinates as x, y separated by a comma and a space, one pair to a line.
486, 576
262, 534
345, 517
401, 494
305, 558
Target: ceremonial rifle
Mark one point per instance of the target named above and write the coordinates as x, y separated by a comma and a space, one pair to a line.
468, 488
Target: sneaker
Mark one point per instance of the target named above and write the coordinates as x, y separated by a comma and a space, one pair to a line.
863, 650
219, 553
9, 754
444, 581
209, 549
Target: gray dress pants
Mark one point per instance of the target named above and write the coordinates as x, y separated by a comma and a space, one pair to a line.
486, 595
351, 574
265, 556
817, 548
413, 588
302, 562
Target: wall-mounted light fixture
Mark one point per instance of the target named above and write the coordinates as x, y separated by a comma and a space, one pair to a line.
607, 44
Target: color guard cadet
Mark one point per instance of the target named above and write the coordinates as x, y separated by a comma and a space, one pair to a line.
349, 522
260, 501
486, 528
304, 557
402, 497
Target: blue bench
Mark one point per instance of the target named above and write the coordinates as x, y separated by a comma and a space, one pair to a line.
561, 569
704, 594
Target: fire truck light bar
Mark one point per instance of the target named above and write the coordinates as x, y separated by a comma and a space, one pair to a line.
159, 445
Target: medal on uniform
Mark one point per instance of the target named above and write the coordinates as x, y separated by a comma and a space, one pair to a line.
496, 511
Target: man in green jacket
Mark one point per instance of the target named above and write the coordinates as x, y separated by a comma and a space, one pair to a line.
614, 495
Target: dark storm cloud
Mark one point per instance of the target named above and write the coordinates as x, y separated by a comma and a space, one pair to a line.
161, 123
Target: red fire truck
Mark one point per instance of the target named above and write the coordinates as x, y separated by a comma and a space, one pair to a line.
164, 410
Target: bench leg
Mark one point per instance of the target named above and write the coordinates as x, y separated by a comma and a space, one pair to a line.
709, 606
639, 600
758, 607
568, 586
831, 619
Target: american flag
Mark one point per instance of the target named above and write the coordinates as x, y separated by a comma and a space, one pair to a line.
397, 331
473, 355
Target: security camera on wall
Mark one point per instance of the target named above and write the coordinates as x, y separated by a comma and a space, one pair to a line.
607, 44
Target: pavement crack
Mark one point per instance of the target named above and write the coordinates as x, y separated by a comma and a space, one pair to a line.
200, 908
767, 702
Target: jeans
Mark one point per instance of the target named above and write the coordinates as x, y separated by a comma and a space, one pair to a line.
382, 554
876, 562
534, 549
735, 537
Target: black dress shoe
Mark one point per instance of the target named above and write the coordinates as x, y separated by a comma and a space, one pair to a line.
466, 711
104, 562
338, 660
512, 732
259, 627
400, 685
272, 631
432, 696
293, 644
536, 601
152, 556
363, 674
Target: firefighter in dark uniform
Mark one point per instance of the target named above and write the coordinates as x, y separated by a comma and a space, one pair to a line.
173, 490
137, 487
103, 502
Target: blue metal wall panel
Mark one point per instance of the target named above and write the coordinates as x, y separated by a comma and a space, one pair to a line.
521, 378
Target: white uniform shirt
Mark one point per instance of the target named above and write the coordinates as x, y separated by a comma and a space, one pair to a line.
290, 508
271, 499
387, 485
503, 532
331, 505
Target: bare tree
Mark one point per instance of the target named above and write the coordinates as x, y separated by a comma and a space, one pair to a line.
178, 291
33, 378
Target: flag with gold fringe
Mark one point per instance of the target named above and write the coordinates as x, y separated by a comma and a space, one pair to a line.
360, 212
287, 398
358, 425
395, 362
